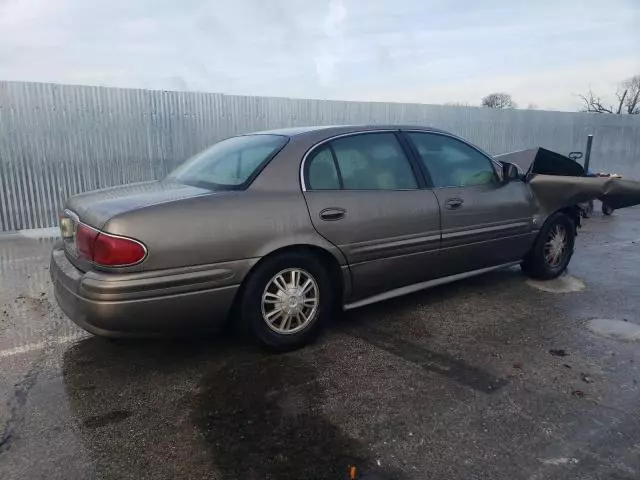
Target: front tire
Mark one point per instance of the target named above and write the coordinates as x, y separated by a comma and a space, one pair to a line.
286, 301
552, 250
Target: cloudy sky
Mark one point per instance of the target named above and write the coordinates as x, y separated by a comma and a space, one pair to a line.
429, 51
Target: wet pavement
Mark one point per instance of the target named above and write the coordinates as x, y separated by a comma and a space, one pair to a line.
490, 378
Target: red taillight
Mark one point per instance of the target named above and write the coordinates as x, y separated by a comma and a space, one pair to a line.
116, 251
107, 250
85, 238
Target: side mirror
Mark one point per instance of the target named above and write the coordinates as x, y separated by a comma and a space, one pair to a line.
509, 172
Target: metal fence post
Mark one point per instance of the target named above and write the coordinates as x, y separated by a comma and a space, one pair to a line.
587, 155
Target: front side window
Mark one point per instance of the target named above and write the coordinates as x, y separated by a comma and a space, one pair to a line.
229, 164
371, 161
452, 163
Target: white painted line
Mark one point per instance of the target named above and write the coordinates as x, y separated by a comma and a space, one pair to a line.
32, 347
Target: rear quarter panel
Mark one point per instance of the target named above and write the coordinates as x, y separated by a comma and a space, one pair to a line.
219, 228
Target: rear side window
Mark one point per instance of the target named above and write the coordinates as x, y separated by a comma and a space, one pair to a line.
371, 161
229, 164
452, 163
322, 173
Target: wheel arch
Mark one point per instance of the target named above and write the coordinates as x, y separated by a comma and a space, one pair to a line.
573, 212
533, 264
338, 272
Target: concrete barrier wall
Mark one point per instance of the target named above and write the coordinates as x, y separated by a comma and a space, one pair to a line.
59, 140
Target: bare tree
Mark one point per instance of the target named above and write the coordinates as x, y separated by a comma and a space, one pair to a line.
498, 100
627, 95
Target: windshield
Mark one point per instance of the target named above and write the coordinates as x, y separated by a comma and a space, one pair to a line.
229, 164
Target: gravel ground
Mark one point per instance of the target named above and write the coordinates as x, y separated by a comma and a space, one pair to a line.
490, 378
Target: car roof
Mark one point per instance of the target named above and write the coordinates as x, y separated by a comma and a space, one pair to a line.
329, 129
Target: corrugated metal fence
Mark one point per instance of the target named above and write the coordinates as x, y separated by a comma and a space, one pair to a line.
58, 140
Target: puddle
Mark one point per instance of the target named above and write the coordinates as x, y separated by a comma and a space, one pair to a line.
265, 419
562, 284
616, 329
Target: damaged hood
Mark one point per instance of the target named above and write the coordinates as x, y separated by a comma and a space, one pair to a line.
553, 192
541, 160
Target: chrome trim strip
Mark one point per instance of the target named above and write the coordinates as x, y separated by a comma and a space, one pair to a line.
322, 142
462, 140
399, 129
476, 231
422, 285
487, 240
144, 248
76, 219
96, 286
72, 215
451, 135
375, 245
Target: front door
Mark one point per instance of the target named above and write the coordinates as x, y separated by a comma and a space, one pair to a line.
485, 222
364, 196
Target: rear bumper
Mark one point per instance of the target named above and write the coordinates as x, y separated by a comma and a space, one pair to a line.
144, 304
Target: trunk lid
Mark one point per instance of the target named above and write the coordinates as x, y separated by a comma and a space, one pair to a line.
97, 207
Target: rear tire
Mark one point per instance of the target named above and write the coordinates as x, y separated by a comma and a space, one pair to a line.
286, 301
586, 209
552, 250
606, 209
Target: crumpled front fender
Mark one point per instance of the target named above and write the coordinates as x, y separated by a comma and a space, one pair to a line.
554, 192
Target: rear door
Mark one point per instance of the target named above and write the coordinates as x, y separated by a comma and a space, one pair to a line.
366, 197
485, 222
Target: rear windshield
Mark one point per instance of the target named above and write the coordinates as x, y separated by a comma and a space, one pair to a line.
230, 164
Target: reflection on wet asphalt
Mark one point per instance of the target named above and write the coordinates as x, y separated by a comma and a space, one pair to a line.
456, 382
275, 429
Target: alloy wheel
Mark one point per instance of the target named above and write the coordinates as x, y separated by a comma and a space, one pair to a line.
290, 301
556, 246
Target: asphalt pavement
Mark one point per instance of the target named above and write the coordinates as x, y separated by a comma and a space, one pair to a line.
495, 377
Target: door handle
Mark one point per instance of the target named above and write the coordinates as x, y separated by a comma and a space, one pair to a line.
454, 203
330, 214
